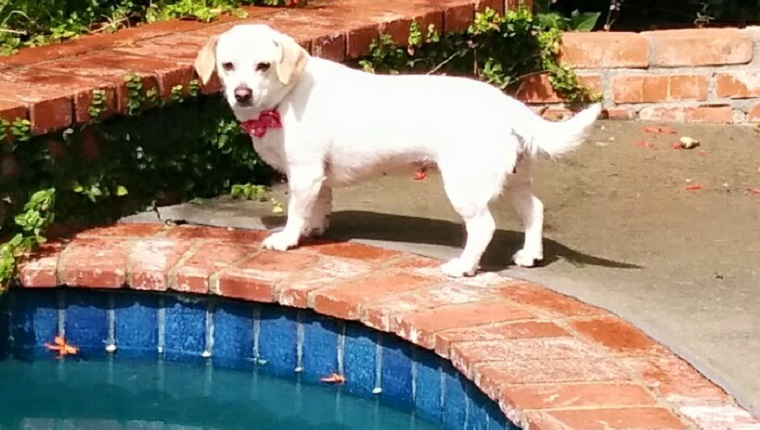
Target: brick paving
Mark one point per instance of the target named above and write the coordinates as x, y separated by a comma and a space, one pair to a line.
550, 361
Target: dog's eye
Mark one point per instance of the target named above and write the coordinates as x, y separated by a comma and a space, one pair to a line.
262, 67
228, 66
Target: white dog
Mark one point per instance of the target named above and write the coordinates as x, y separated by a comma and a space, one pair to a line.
326, 125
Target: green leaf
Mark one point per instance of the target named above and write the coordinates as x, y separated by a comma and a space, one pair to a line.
583, 22
121, 191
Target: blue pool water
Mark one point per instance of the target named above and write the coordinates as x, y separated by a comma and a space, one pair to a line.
118, 393
148, 358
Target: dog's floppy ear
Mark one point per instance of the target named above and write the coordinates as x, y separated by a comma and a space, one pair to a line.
205, 62
292, 60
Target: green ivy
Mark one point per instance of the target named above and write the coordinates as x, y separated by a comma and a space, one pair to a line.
25, 23
18, 130
190, 148
97, 106
30, 224
500, 50
248, 191
576, 21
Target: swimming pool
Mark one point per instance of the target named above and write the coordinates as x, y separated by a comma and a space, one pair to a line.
207, 362
116, 393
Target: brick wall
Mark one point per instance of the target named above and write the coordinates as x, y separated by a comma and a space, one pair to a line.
710, 75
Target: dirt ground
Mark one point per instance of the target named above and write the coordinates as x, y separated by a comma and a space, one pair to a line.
622, 232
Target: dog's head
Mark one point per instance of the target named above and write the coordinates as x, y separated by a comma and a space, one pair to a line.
255, 63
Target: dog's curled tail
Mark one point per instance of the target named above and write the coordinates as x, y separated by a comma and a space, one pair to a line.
553, 139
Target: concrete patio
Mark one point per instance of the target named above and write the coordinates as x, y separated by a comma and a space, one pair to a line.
622, 232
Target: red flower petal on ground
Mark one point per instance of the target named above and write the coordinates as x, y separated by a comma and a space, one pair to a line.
658, 130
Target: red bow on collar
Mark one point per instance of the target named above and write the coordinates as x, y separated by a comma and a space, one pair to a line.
267, 119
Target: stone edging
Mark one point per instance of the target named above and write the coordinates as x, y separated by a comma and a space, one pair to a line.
550, 361
685, 75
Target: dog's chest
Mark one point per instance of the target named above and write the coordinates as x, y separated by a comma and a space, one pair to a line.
270, 149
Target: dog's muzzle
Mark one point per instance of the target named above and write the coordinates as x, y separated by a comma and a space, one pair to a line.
243, 95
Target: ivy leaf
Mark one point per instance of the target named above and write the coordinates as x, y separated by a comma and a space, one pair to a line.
121, 191
16, 241
583, 22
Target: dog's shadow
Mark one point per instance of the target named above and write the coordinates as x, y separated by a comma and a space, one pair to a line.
347, 225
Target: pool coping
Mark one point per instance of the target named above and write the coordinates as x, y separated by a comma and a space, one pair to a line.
550, 361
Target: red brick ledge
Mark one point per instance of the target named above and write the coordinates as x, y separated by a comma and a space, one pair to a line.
684, 75
52, 85
701, 75
550, 361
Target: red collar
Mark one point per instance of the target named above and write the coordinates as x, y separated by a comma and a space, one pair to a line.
267, 119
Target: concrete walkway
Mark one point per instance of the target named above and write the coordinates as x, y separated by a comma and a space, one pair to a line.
622, 233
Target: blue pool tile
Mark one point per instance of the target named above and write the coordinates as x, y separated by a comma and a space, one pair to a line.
320, 346
477, 418
396, 379
427, 399
278, 337
34, 319
184, 327
233, 333
86, 322
454, 398
359, 359
136, 324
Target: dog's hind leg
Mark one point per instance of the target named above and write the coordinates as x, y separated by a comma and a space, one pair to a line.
471, 203
519, 188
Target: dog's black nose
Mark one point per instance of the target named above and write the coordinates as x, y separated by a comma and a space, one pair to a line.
243, 94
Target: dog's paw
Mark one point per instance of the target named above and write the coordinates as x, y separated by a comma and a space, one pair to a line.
456, 268
316, 227
527, 258
279, 242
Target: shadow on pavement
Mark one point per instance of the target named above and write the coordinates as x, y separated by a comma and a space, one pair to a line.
348, 225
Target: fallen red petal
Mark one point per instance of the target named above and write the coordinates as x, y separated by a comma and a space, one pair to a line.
678, 146
694, 187
334, 379
659, 130
753, 190
703, 152
420, 175
645, 144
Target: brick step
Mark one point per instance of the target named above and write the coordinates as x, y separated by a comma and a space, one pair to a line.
680, 75
52, 85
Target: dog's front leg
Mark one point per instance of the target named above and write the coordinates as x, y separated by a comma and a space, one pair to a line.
319, 221
304, 186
